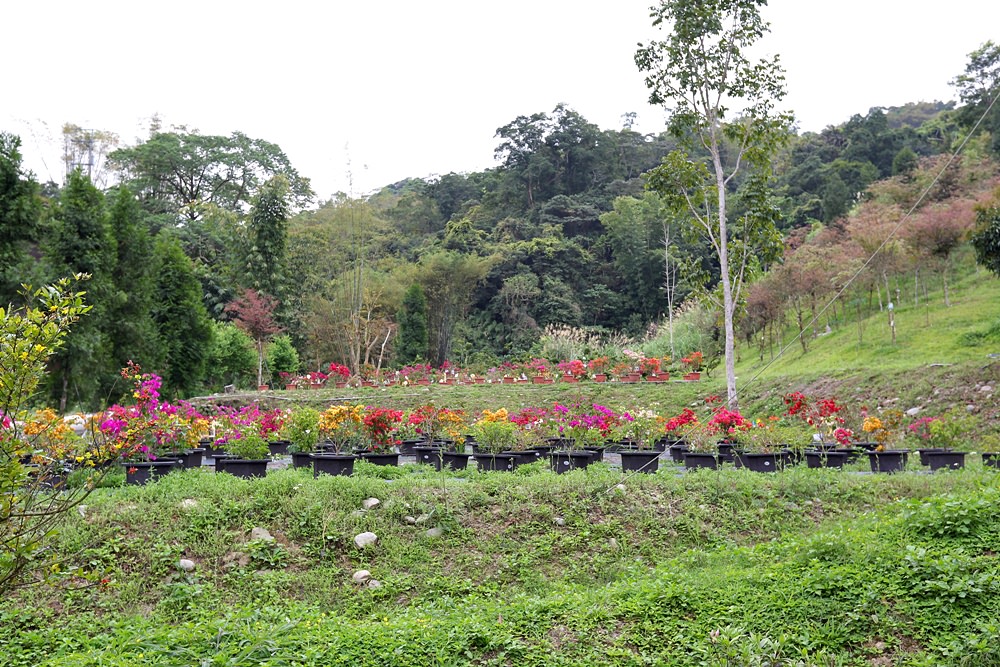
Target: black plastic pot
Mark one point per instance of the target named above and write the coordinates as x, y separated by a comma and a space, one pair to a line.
890, 460
566, 460
764, 461
428, 455
332, 464
278, 447
141, 472
301, 459
246, 468
991, 459
926, 451
826, 459
699, 460
677, 451
946, 460
494, 462
455, 460
381, 459
640, 460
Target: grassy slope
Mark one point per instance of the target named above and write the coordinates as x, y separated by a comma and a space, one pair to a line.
814, 563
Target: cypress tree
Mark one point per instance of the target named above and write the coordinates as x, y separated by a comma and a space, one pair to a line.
412, 343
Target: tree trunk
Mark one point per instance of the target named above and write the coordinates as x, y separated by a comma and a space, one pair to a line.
728, 306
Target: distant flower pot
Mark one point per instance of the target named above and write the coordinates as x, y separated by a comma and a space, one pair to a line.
315, 385
692, 376
991, 459
659, 377
301, 459
827, 458
630, 377
600, 377
381, 459
570, 378
262, 387
340, 385
541, 379
278, 447
291, 387
428, 455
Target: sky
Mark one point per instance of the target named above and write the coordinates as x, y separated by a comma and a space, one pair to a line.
363, 94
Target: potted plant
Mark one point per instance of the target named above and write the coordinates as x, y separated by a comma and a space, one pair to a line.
379, 428
885, 431
643, 428
765, 445
340, 432
598, 367
496, 439
693, 363
949, 436
340, 374
674, 433
301, 429
249, 455
571, 370
702, 441
142, 433
538, 371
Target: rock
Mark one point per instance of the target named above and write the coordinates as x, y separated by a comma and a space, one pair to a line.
913, 412
434, 532
410, 520
370, 503
613, 543
82, 509
187, 504
373, 584
970, 408
259, 533
423, 518
186, 564
361, 576
559, 521
621, 489
366, 539
986, 388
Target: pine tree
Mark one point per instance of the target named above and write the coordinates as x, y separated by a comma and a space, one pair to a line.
412, 343
183, 325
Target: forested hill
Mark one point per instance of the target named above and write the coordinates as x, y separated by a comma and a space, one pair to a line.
470, 268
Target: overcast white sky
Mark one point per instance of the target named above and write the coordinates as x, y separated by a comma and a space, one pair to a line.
399, 88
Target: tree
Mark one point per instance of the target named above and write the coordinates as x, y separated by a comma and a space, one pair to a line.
179, 172
80, 242
231, 358
701, 70
986, 237
30, 513
267, 237
183, 325
412, 342
253, 312
282, 357
20, 207
131, 329
979, 87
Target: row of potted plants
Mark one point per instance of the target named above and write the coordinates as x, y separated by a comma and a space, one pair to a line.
632, 368
152, 432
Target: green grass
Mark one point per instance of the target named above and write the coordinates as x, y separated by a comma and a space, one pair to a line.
829, 567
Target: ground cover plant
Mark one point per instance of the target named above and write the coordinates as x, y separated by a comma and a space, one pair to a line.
811, 567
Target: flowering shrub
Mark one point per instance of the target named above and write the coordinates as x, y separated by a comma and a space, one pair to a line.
597, 365
340, 371
649, 366
884, 430
341, 426
379, 426
536, 367
729, 422
693, 361
433, 423
687, 416
495, 432
822, 415
573, 367
150, 427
